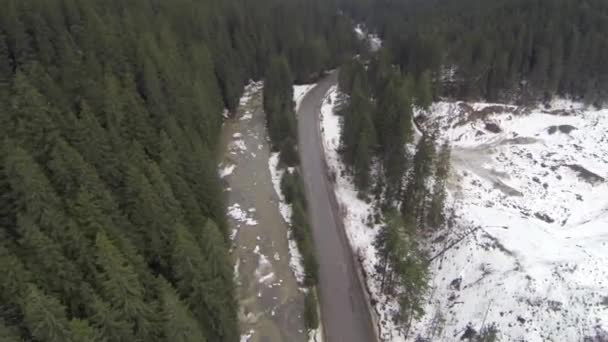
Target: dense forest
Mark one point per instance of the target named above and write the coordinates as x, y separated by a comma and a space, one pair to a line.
500, 50
112, 220
406, 176
521, 51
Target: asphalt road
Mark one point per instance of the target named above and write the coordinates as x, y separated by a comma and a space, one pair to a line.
344, 311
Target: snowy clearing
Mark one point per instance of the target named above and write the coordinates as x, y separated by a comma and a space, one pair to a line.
533, 184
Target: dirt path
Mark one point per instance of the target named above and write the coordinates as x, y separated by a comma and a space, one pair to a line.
344, 309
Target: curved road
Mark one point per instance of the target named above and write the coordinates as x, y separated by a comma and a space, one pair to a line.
344, 309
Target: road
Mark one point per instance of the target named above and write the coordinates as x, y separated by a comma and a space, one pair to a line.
344, 311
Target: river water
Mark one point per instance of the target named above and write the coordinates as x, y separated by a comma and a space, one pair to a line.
271, 304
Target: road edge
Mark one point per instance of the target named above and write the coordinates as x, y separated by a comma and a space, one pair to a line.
362, 283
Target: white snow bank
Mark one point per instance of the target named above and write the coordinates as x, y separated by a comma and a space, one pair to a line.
299, 92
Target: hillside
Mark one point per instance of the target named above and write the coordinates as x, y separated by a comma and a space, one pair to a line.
498, 50
528, 190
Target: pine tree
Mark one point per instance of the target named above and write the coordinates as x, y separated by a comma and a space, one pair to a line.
424, 95
15, 276
403, 266
311, 317
363, 159
110, 322
278, 101
436, 215
301, 233
82, 331
31, 118
51, 270
357, 118
8, 333
44, 316
120, 286
196, 283
6, 74
179, 324
415, 195
32, 190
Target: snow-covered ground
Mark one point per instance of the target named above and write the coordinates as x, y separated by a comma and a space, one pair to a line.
356, 215
531, 185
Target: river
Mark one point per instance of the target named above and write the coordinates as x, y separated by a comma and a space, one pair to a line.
271, 303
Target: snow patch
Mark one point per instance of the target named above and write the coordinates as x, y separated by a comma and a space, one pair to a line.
246, 116
226, 170
246, 337
299, 92
237, 146
239, 215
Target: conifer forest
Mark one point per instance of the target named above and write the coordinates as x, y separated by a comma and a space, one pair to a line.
113, 223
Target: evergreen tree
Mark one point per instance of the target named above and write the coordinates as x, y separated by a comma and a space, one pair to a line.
180, 326
403, 265
416, 194
110, 322
44, 316
359, 136
8, 333
5, 77
436, 215
311, 317
120, 286
278, 101
196, 283
424, 95
83, 332
31, 117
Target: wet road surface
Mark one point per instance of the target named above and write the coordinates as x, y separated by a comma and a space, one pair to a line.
343, 305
